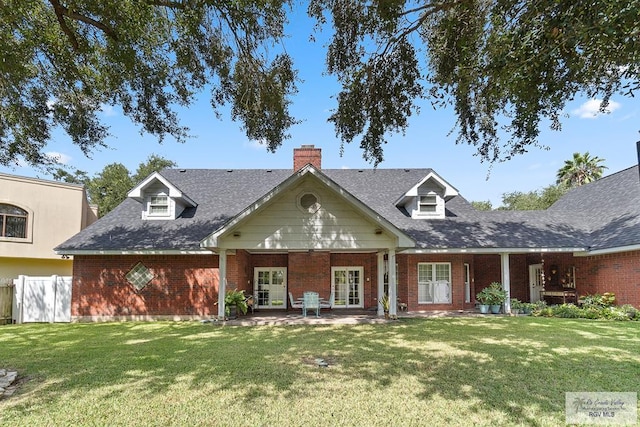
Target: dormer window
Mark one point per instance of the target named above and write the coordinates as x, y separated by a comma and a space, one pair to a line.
159, 205
426, 199
160, 199
428, 204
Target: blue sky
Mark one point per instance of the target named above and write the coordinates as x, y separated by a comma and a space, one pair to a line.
427, 143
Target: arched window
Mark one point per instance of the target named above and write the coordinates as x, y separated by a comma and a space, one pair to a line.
13, 221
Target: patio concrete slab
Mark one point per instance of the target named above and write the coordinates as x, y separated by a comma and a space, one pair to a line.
266, 318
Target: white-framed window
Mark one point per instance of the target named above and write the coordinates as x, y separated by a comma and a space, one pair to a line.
13, 222
158, 205
434, 283
428, 204
308, 202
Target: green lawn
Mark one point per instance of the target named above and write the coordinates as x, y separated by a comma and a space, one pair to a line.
413, 372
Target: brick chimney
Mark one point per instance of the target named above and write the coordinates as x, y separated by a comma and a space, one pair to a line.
306, 154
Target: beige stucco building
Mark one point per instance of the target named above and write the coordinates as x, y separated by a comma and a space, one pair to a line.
35, 216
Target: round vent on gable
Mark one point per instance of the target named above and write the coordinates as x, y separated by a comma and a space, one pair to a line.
308, 202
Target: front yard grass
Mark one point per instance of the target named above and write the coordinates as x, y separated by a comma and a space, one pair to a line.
413, 372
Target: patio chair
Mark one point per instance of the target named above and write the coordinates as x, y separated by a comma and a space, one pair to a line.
293, 303
330, 303
311, 301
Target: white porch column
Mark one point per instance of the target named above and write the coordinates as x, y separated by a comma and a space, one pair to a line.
506, 281
393, 295
222, 282
380, 282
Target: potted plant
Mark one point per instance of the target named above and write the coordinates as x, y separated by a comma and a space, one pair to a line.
483, 297
497, 296
517, 306
384, 302
234, 302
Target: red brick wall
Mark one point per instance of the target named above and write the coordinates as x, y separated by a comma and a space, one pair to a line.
306, 154
309, 271
369, 262
486, 269
244, 271
182, 285
617, 273
188, 284
457, 280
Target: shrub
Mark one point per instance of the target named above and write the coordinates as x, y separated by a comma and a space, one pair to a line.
631, 312
607, 299
569, 311
592, 311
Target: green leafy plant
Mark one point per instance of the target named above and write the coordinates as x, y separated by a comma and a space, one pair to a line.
516, 305
492, 294
384, 302
607, 299
484, 296
235, 298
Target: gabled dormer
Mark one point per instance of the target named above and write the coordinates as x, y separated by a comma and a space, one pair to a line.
160, 199
426, 199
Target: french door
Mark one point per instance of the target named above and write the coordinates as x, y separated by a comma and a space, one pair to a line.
535, 282
270, 287
347, 283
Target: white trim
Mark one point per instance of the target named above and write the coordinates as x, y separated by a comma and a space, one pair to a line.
449, 281
393, 286
380, 268
491, 250
222, 284
617, 249
535, 282
506, 281
174, 192
402, 239
467, 283
284, 297
361, 286
139, 252
449, 190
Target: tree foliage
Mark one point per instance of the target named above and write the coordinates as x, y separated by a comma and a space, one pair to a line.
581, 169
64, 60
109, 187
154, 163
506, 67
532, 200
484, 205
77, 177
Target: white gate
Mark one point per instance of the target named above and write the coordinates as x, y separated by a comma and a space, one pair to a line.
42, 299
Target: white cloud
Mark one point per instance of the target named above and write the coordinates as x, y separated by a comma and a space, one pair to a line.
256, 144
108, 110
591, 109
60, 158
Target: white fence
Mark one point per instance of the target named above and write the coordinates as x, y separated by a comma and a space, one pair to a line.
42, 299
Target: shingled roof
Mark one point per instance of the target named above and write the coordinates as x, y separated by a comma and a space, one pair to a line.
600, 215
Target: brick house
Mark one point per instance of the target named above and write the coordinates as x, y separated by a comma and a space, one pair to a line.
184, 236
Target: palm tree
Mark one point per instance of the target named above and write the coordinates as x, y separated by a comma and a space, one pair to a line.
580, 170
